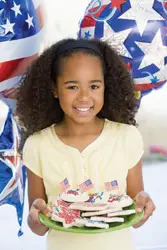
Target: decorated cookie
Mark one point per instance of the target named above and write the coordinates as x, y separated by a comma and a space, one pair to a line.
124, 212
123, 200
80, 222
102, 212
89, 206
62, 213
106, 219
74, 195
98, 224
100, 197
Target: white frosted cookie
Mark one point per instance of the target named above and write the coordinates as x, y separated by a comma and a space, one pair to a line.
100, 197
89, 206
106, 219
124, 212
74, 195
123, 199
102, 212
98, 224
80, 222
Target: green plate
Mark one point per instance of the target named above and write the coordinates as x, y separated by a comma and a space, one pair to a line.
129, 221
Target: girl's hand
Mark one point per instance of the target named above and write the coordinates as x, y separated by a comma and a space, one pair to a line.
144, 202
39, 205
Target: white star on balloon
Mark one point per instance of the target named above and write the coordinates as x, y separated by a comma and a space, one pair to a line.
141, 11
8, 27
3, 1
29, 21
16, 9
116, 39
154, 52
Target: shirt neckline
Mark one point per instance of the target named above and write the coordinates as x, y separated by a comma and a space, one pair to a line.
88, 148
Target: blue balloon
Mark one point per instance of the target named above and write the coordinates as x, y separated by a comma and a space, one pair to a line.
12, 171
137, 29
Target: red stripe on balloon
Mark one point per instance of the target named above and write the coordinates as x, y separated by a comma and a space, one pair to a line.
89, 20
147, 86
15, 68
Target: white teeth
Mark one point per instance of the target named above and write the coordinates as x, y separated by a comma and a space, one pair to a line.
83, 109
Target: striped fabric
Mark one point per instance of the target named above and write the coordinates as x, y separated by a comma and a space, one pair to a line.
21, 29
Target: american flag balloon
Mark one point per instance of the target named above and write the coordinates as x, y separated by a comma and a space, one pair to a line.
137, 29
12, 171
21, 29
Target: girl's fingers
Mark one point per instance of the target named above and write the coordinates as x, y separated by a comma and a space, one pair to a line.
141, 200
41, 206
34, 215
148, 207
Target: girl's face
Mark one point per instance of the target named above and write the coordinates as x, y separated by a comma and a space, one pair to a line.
80, 87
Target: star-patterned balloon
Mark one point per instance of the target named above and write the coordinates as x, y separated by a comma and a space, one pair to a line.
137, 29
12, 171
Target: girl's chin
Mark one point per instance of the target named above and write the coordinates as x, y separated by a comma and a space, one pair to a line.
82, 120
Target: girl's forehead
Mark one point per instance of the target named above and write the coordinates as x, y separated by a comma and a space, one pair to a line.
78, 62
79, 58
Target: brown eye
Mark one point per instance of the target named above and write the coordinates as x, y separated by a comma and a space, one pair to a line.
94, 86
72, 87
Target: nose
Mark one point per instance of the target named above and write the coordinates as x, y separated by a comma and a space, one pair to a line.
84, 94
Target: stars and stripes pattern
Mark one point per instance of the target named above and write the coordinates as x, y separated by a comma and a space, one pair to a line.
21, 29
12, 171
137, 29
64, 185
86, 185
112, 185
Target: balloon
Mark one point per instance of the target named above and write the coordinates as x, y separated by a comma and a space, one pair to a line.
21, 30
12, 171
137, 29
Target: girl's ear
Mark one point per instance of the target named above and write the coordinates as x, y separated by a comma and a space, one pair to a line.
55, 93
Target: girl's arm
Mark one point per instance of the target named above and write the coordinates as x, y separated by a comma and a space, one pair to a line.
37, 203
135, 180
135, 189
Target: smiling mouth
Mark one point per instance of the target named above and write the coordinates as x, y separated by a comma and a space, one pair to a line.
83, 109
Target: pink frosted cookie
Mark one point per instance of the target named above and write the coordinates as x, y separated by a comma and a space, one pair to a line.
74, 195
124, 212
100, 197
88, 206
62, 213
106, 219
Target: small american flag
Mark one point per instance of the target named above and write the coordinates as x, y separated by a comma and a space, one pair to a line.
64, 184
86, 185
112, 185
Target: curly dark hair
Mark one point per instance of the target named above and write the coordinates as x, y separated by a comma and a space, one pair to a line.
36, 106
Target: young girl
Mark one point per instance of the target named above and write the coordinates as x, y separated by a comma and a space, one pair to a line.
77, 104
